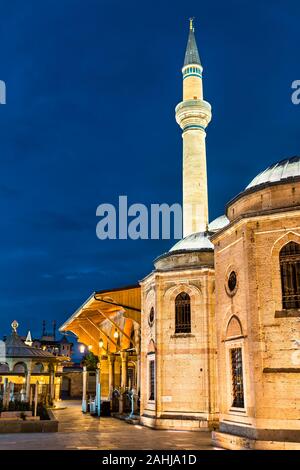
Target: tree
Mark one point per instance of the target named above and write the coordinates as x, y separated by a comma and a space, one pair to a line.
90, 361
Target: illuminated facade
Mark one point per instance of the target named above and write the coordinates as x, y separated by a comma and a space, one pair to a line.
257, 265
212, 334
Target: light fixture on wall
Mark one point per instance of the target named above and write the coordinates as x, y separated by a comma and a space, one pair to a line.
116, 334
90, 347
82, 349
101, 343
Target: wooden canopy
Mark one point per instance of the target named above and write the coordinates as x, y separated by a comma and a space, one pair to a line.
111, 316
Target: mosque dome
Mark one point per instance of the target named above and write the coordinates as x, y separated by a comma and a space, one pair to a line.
283, 171
194, 242
217, 224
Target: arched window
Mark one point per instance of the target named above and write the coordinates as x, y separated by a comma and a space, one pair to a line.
151, 380
236, 359
183, 313
19, 368
4, 367
289, 259
38, 368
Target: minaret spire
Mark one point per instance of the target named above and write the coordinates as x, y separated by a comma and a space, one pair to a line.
193, 115
191, 53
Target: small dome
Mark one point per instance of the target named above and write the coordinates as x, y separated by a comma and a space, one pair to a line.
218, 224
15, 347
194, 242
280, 171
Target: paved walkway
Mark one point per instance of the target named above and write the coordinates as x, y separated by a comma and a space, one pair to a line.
79, 431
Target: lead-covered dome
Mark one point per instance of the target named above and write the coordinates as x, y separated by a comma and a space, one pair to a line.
286, 169
194, 242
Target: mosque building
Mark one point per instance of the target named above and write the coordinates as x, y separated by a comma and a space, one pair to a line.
210, 339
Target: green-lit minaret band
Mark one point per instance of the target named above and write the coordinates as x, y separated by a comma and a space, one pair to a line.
192, 71
193, 127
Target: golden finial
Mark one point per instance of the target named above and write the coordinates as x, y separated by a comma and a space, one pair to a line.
14, 326
192, 23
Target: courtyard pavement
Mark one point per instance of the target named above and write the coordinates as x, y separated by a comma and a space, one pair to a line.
84, 432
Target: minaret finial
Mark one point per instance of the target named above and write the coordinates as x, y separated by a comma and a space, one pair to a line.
192, 23
14, 326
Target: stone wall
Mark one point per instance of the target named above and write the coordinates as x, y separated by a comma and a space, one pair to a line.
186, 378
271, 357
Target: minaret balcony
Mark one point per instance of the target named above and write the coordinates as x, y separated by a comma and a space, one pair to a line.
195, 113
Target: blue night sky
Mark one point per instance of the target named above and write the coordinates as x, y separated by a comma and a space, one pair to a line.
91, 91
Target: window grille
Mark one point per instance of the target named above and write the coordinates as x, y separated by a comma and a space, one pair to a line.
151, 380
237, 377
289, 259
182, 313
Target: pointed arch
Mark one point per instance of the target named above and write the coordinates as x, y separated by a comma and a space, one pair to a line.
183, 313
189, 306
38, 368
234, 328
20, 368
280, 272
289, 259
4, 367
151, 347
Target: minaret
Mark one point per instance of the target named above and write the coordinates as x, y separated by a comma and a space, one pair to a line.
193, 114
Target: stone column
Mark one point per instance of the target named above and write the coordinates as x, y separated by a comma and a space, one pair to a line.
137, 337
30, 397
138, 381
84, 387
111, 375
124, 359
27, 386
57, 390
51, 380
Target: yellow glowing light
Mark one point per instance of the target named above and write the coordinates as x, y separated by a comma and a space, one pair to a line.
82, 348
90, 347
116, 334
101, 343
